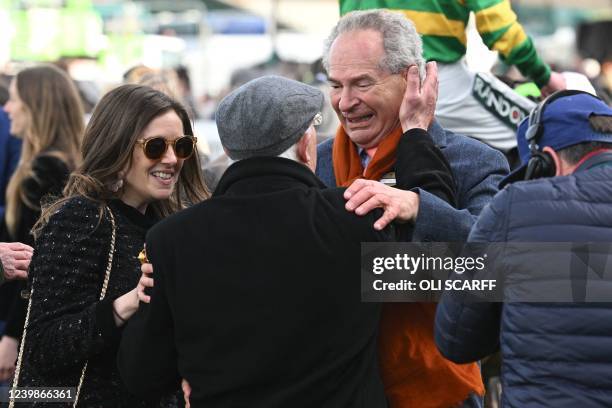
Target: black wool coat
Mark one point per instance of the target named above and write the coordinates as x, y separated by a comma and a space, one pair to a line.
257, 297
257, 290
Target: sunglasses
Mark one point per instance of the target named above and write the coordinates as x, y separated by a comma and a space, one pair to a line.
155, 147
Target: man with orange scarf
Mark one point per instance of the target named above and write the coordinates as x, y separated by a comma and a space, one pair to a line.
366, 57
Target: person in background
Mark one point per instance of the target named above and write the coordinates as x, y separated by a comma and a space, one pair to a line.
4, 85
46, 113
554, 354
14, 257
164, 80
10, 149
11, 254
185, 90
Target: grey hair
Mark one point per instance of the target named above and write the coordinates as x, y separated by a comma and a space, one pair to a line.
290, 153
402, 44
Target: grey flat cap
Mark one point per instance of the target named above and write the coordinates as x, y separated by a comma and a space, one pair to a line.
266, 116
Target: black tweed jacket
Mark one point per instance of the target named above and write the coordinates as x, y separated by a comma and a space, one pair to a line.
68, 324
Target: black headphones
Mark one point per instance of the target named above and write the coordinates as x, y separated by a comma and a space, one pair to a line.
541, 164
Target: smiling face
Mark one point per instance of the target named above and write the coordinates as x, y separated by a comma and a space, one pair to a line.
149, 180
365, 97
17, 111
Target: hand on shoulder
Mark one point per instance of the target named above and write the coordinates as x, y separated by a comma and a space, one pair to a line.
365, 195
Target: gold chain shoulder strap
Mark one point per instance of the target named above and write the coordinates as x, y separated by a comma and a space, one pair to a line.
109, 266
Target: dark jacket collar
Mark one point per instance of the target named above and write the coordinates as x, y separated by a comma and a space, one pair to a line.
284, 172
598, 159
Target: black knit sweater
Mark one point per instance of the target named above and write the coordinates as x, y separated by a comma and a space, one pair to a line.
68, 324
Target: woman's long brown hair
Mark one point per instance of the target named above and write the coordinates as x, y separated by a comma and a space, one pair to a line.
55, 127
117, 122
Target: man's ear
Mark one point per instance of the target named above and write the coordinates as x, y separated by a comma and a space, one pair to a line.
560, 166
302, 148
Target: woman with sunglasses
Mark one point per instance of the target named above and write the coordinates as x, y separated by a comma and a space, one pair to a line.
139, 165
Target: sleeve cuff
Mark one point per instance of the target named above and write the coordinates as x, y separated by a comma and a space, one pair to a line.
105, 322
542, 75
17, 314
418, 135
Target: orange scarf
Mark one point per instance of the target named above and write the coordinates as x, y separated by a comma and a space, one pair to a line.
347, 163
414, 372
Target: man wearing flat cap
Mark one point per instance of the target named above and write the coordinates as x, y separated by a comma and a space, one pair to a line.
257, 290
554, 354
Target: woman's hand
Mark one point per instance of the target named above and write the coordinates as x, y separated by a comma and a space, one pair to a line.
8, 357
125, 306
